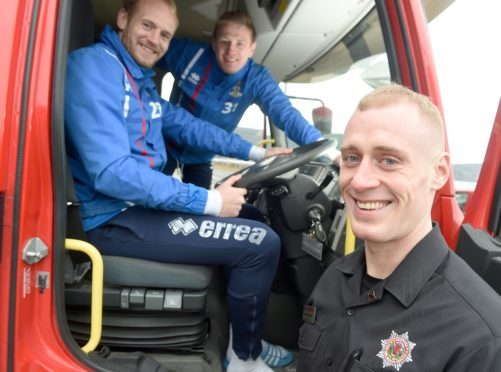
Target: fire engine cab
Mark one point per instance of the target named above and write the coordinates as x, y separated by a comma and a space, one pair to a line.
65, 307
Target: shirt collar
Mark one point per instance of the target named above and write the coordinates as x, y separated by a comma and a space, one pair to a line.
110, 38
412, 274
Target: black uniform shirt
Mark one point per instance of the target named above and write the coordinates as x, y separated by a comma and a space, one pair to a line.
433, 313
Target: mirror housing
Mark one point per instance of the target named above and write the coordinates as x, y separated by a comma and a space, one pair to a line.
322, 119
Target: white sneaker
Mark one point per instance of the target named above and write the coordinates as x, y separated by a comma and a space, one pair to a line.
250, 365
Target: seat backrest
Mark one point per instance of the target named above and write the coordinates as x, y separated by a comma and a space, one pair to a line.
82, 24
81, 35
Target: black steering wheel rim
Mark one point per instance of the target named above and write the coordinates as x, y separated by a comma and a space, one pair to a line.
266, 169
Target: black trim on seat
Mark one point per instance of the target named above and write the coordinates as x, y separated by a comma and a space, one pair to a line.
477, 248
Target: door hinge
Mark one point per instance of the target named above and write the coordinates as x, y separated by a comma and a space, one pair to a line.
34, 251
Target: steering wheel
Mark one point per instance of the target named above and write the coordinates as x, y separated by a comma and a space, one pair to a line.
266, 169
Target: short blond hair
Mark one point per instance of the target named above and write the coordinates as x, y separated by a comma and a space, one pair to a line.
394, 93
235, 16
130, 6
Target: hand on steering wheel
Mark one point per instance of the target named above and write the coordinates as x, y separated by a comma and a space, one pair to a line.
254, 175
275, 151
232, 197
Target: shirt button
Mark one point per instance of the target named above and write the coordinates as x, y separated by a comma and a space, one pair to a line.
329, 361
350, 312
371, 296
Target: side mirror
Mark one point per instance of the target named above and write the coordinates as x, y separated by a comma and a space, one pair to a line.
322, 119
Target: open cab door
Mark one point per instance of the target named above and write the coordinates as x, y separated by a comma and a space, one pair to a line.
479, 242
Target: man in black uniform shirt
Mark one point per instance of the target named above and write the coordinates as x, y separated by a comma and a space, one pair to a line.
405, 301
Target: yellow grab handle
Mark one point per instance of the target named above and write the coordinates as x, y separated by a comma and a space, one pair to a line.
269, 141
96, 315
349, 242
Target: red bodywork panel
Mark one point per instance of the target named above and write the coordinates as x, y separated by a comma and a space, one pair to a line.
30, 338
417, 67
486, 184
36, 344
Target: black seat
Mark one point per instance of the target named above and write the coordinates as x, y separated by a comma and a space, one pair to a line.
145, 304
493, 274
477, 248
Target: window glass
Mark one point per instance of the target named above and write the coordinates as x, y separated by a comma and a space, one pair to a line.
467, 52
338, 80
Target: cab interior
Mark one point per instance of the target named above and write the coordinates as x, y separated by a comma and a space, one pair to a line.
173, 317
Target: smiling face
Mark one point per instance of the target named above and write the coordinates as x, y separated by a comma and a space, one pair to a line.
392, 164
147, 31
233, 46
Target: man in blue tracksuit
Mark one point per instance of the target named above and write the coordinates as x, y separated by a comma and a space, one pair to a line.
218, 83
115, 122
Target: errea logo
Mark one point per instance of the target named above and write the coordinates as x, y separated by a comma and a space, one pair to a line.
219, 230
226, 231
194, 78
179, 225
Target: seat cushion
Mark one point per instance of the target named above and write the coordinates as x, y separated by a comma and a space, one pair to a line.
134, 272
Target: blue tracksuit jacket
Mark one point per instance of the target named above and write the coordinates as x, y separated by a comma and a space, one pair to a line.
202, 88
114, 140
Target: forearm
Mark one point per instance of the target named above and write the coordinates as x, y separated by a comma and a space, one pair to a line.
129, 180
183, 128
